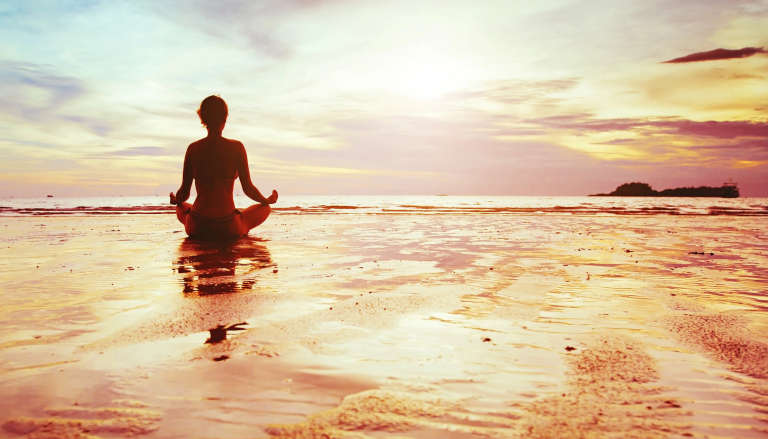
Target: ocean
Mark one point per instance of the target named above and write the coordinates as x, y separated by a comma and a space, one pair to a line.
404, 204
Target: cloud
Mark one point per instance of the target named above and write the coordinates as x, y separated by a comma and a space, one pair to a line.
248, 23
234, 21
515, 91
140, 151
721, 129
28, 89
31, 93
584, 122
717, 54
755, 150
460, 154
658, 141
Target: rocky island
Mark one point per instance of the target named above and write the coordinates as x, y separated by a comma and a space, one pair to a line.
636, 189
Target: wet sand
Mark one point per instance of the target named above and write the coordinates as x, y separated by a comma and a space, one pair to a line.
386, 325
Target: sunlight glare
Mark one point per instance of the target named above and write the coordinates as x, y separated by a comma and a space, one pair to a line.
422, 73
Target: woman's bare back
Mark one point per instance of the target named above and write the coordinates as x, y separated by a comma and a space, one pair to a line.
213, 164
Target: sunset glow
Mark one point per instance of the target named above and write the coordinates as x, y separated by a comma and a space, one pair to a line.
99, 98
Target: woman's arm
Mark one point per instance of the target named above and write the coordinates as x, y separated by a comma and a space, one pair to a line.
188, 174
245, 179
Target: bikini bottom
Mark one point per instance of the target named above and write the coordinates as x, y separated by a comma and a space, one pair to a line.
225, 227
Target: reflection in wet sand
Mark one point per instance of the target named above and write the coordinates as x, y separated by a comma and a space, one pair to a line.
217, 268
421, 326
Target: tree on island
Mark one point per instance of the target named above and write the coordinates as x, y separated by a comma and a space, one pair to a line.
634, 189
637, 189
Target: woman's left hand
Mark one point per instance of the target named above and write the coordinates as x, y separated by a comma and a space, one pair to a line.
272, 198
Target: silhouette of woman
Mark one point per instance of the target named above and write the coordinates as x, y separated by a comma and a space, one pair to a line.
214, 162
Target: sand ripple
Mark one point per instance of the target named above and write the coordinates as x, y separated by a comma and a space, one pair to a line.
610, 395
125, 419
726, 337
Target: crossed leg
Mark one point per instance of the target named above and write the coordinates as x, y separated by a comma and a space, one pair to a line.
182, 211
253, 216
249, 218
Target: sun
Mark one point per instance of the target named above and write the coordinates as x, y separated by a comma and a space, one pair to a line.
421, 73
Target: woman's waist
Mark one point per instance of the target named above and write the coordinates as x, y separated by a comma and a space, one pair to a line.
205, 210
199, 216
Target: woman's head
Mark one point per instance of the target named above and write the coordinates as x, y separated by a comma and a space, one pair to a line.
213, 112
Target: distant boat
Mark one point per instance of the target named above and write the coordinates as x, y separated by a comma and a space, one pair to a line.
49, 196
636, 189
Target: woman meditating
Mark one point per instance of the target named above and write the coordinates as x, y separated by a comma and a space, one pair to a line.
213, 163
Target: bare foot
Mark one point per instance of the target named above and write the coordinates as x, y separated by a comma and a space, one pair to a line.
173, 198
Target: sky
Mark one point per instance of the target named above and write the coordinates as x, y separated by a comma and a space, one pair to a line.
506, 97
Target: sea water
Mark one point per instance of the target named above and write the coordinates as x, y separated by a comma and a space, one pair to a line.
404, 204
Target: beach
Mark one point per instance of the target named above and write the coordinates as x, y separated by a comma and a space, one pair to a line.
402, 323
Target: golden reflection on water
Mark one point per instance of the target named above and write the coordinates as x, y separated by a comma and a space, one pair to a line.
477, 310
218, 268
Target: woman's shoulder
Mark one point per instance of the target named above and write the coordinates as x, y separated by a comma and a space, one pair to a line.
233, 146
196, 144
232, 142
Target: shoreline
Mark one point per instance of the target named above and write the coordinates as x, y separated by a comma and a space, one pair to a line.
389, 205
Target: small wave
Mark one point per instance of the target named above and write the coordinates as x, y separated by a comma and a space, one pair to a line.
435, 206
23, 211
721, 210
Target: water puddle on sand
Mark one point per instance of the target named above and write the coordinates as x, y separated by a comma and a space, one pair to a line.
389, 326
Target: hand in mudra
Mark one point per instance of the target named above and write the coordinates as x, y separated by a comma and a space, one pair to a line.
272, 198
